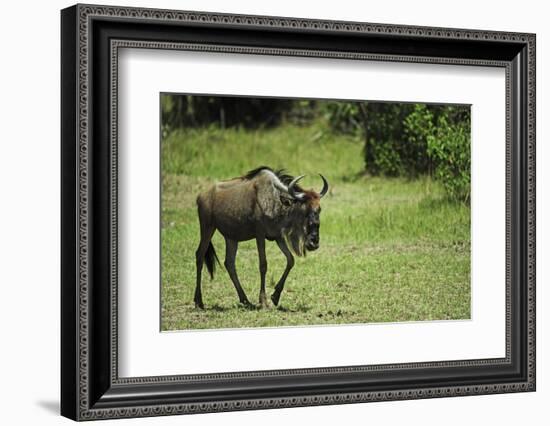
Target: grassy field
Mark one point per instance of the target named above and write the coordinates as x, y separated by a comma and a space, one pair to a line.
391, 249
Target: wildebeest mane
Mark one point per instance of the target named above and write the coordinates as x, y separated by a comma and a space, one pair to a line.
280, 173
294, 233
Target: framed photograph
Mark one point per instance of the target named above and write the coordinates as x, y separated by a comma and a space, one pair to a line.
263, 212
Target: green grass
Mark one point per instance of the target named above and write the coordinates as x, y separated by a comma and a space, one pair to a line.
391, 249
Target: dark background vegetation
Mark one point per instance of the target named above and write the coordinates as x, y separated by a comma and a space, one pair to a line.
400, 139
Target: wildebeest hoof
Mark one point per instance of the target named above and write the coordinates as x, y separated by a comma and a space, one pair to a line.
275, 298
199, 305
246, 304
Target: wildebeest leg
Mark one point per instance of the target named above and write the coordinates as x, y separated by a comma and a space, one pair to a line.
260, 243
230, 254
289, 265
206, 236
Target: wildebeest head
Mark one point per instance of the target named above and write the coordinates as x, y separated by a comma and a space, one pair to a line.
304, 232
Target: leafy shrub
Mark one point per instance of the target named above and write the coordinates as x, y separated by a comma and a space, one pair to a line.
409, 139
385, 159
343, 117
444, 131
416, 127
380, 125
386, 149
449, 146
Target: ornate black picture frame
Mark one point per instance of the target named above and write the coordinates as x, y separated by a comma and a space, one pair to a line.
91, 36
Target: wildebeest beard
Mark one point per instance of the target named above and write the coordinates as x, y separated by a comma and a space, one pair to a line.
295, 232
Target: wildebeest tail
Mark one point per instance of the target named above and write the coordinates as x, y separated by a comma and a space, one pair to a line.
211, 258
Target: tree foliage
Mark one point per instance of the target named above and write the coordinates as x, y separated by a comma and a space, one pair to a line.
445, 133
225, 111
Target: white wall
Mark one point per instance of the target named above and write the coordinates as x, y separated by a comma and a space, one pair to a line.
29, 225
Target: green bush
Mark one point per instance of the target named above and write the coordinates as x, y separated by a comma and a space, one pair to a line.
386, 149
383, 158
416, 128
343, 117
444, 131
380, 125
393, 134
449, 146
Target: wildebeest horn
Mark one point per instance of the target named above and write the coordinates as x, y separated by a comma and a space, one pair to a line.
293, 194
325, 186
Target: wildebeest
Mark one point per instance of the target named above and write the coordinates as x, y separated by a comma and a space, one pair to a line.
262, 204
